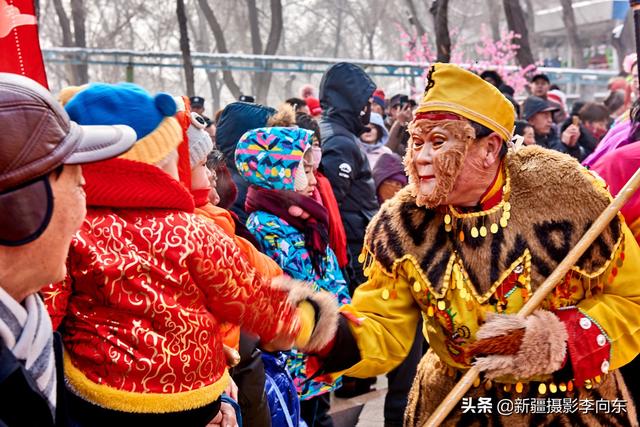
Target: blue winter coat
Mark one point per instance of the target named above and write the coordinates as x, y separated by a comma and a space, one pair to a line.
282, 396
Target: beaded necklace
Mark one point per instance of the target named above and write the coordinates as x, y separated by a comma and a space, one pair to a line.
454, 220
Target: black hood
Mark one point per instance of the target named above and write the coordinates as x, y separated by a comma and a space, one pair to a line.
344, 91
236, 119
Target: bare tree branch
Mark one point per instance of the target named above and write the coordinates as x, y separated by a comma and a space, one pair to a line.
569, 20
338, 38
493, 12
254, 27
263, 79
414, 20
65, 24
440, 11
79, 16
184, 48
227, 76
275, 32
516, 22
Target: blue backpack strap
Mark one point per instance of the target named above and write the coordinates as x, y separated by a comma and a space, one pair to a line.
236, 407
283, 403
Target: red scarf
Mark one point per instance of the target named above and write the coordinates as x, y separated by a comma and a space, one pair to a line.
337, 235
201, 196
314, 228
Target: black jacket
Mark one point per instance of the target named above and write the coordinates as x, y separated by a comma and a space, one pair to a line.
344, 91
236, 119
21, 402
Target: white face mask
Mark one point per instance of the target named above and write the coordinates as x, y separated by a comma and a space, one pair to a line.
300, 181
317, 156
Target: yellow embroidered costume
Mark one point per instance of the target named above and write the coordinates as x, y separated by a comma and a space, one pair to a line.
454, 269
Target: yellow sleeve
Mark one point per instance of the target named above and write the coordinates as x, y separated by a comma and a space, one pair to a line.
383, 317
617, 308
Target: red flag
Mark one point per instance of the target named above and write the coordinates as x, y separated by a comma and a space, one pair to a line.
19, 43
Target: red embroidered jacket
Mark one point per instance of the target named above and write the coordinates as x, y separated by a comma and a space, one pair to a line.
149, 284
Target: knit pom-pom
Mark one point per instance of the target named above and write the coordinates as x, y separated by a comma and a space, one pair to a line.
165, 104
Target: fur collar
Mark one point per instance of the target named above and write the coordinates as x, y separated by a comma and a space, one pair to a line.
553, 200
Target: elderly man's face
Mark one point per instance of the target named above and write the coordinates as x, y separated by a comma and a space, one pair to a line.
438, 153
69, 210
43, 260
448, 165
542, 122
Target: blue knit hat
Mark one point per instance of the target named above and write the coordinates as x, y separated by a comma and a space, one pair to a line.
129, 104
123, 104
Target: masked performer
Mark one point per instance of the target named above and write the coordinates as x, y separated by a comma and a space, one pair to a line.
463, 247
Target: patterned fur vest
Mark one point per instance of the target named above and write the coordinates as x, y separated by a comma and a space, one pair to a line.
449, 268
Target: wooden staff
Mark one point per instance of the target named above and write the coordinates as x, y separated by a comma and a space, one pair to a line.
461, 388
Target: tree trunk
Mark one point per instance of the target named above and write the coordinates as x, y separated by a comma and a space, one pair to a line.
370, 37
625, 42
79, 15
67, 37
184, 47
65, 25
254, 27
414, 20
530, 19
256, 40
212, 76
263, 79
439, 10
569, 20
516, 23
221, 43
493, 9
338, 39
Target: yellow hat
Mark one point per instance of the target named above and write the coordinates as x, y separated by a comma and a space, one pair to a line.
158, 144
69, 92
455, 90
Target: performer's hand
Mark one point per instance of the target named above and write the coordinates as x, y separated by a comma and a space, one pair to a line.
523, 347
226, 417
570, 135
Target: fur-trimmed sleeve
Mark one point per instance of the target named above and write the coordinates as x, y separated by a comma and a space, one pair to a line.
383, 327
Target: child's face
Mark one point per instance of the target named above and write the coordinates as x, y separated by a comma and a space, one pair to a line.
529, 136
214, 197
308, 171
170, 165
200, 177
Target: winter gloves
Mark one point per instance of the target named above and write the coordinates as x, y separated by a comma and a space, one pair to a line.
317, 313
522, 347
